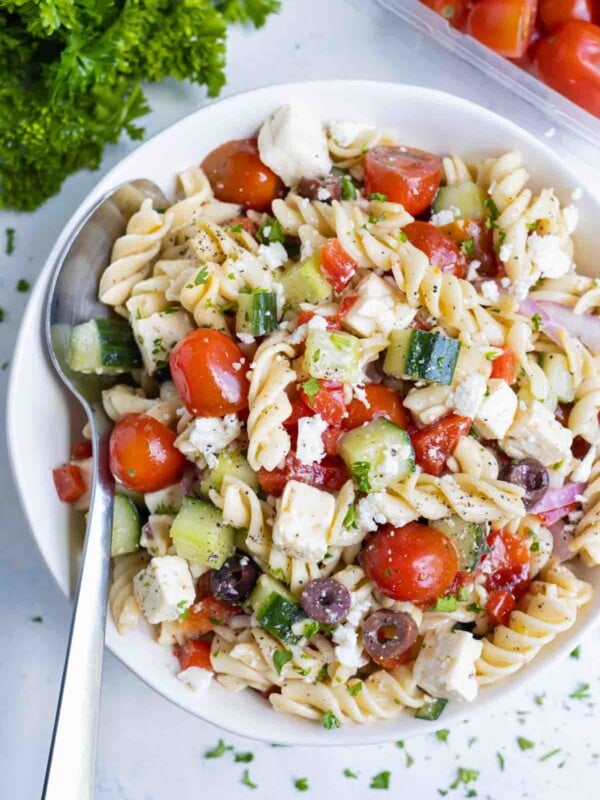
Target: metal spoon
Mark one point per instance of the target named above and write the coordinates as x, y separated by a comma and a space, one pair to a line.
72, 299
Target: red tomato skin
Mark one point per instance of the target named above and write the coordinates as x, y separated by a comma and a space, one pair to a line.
499, 606
483, 243
328, 402
553, 13
299, 410
455, 11
237, 175
569, 61
68, 482
441, 250
505, 26
507, 564
383, 402
81, 450
194, 653
202, 370
305, 316
205, 615
505, 366
329, 474
347, 303
330, 438
415, 562
405, 175
435, 443
337, 266
142, 454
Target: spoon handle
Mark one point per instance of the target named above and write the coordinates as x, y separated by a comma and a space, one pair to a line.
71, 763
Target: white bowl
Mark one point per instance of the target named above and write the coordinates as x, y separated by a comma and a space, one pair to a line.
43, 420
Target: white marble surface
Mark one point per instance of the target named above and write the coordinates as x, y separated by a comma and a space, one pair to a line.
150, 750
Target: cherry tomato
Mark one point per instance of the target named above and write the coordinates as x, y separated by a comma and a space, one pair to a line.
503, 25
330, 474
81, 450
331, 437
68, 482
299, 410
202, 367
435, 443
553, 13
569, 61
305, 316
441, 250
382, 402
455, 11
142, 454
205, 616
405, 175
500, 605
507, 563
505, 366
337, 266
415, 562
328, 401
194, 653
479, 244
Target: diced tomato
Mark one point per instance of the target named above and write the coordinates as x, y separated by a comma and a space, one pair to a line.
299, 410
81, 450
441, 250
206, 615
337, 266
330, 474
381, 402
503, 25
478, 243
331, 437
68, 482
504, 366
500, 605
247, 224
305, 316
404, 175
507, 563
194, 653
554, 13
455, 11
554, 514
328, 401
435, 443
347, 303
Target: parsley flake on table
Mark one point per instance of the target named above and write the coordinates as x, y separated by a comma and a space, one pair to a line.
525, 744
244, 758
501, 761
2, 314
581, 693
23, 285
10, 241
442, 734
301, 784
576, 652
539, 699
219, 750
349, 774
37, 619
381, 780
550, 754
246, 780
465, 776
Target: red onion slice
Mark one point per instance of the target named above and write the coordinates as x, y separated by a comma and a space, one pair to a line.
558, 498
554, 316
562, 539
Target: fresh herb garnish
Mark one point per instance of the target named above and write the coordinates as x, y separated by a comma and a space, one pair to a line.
281, 658
381, 198
330, 721
576, 652
301, 784
10, 241
201, 277
348, 188
464, 776
442, 734
218, 751
501, 761
525, 744
350, 520
270, 231
536, 320
552, 753
581, 693
247, 781
311, 389
244, 758
467, 247
355, 688
492, 208
349, 774
360, 471
23, 285
447, 603
381, 780
402, 236
37, 618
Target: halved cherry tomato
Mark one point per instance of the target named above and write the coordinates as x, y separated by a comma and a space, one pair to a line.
299, 410
328, 401
81, 450
330, 474
194, 653
507, 563
505, 366
142, 454
381, 402
441, 250
331, 437
554, 13
68, 482
404, 175
479, 244
202, 367
435, 443
415, 562
206, 615
569, 61
503, 25
237, 175
332, 322
500, 605
336, 265
455, 11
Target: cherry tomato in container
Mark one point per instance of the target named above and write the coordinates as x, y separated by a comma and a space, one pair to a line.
569, 61
415, 562
507, 565
381, 402
142, 454
69, 483
194, 653
503, 25
337, 266
553, 13
209, 371
435, 443
237, 175
441, 249
455, 11
404, 175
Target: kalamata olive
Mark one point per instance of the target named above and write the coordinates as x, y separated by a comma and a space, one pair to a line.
389, 634
235, 580
325, 600
529, 474
325, 189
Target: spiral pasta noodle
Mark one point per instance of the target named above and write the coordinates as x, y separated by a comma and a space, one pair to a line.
120, 400
124, 607
586, 542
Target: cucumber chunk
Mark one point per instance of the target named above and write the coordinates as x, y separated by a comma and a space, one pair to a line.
304, 283
433, 710
561, 388
333, 355
257, 312
467, 198
470, 539
421, 355
103, 346
377, 454
276, 609
200, 535
230, 462
126, 526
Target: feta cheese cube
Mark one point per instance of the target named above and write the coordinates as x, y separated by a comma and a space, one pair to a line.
547, 256
274, 254
165, 501
196, 678
164, 589
497, 411
347, 649
310, 447
468, 395
158, 334
536, 433
303, 521
210, 435
445, 666
378, 309
429, 403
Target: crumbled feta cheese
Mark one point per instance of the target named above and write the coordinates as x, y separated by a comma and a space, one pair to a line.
273, 254
196, 678
489, 289
571, 218
310, 446
360, 394
445, 666
582, 471
323, 194
293, 144
445, 216
468, 395
210, 435
535, 433
317, 323
505, 282
497, 410
505, 252
472, 274
547, 256
344, 132
348, 651
369, 514
378, 309
245, 338
164, 589
303, 521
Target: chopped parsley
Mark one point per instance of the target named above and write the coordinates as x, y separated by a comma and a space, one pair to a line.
525, 744
301, 784
501, 761
539, 699
270, 231
244, 758
492, 208
219, 750
237, 228
381, 198
381, 780
581, 693
447, 603
464, 776
348, 188
2, 314
311, 628
355, 689
23, 285
37, 618
330, 721
201, 277
349, 774
311, 389
576, 652
360, 471
247, 781
281, 658
475, 608
467, 247
10, 241
442, 734
350, 520
402, 236
536, 320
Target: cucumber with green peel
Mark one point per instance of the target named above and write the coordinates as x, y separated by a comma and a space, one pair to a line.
377, 454
126, 526
561, 387
136, 497
467, 198
469, 538
200, 535
333, 355
257, 312
304, 283
229, 462
421, 355
275, 609
103, 346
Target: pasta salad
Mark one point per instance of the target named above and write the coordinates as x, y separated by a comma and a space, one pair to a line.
355, 396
